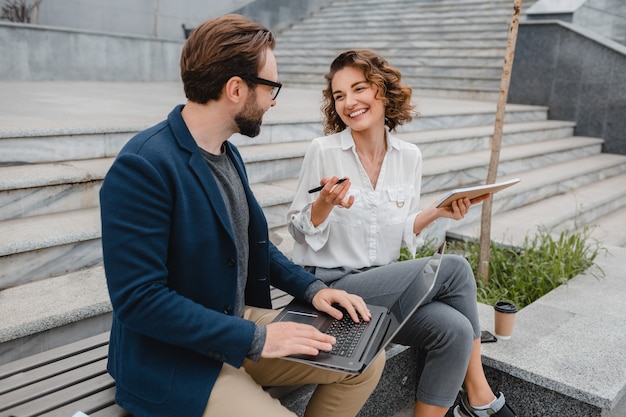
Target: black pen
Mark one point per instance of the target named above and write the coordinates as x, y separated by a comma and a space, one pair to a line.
316, 189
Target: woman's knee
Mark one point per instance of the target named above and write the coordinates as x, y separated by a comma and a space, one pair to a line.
459, 268
461, 330
436, 326
455, 339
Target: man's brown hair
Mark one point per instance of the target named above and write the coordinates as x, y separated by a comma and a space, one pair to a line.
220, 49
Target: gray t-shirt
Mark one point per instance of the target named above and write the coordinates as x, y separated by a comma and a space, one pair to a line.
234, 196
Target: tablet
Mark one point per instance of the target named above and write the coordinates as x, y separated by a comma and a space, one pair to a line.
476, 191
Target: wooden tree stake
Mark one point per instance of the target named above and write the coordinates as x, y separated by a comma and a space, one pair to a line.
496, 143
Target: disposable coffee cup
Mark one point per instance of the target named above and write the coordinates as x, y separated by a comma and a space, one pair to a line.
504, 319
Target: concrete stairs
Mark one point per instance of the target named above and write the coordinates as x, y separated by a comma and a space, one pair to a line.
445, 48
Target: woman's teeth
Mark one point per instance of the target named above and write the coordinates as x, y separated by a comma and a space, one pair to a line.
357, 113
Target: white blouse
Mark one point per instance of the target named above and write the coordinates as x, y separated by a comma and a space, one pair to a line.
372, 231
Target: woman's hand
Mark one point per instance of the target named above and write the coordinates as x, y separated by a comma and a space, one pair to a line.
352, 303
334, 193
331, 195
459, 208
456, 211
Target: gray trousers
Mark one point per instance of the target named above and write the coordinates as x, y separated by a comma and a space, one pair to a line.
444, 327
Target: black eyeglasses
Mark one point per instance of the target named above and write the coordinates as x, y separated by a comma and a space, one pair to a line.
275, 86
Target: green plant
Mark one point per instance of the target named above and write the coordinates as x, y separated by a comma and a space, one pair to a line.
523, 275
426, 249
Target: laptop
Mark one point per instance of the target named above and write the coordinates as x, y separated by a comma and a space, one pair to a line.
359, 343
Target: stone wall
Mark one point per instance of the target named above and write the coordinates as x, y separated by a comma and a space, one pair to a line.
605, 17
83, 40
163, 19
156, 18
578, 74
39, 53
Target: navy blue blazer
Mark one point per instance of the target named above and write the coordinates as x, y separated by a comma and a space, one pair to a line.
170, 262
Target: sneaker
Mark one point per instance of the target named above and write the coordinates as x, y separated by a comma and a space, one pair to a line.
497, 407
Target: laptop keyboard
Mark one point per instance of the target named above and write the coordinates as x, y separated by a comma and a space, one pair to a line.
347, 333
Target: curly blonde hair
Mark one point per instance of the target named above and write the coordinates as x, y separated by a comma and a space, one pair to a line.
396, 96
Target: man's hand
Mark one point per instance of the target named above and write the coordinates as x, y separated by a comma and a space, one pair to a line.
289, 338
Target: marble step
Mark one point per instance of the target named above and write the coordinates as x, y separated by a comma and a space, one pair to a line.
434, 143
457, 81
400, 28
317, 71
491, 93
448, 172
39, 247
307, 80
35, 146
402, 60
407, 3
344, 7
286, 52
41, 315
485, 94
586, 205
609, 229
30, 147
408, 17
408, 44
376, 17
36, 189
370, 34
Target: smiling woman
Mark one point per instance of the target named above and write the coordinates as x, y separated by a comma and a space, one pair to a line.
351, 232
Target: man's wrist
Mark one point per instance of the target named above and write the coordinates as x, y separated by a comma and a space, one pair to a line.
312, 290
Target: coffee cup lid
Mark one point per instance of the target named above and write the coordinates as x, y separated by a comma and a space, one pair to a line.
505, 307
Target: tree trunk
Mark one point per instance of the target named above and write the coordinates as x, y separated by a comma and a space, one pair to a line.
496, 142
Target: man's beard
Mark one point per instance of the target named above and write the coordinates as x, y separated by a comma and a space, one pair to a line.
250, 118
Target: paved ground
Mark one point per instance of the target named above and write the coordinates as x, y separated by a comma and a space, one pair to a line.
407, 412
